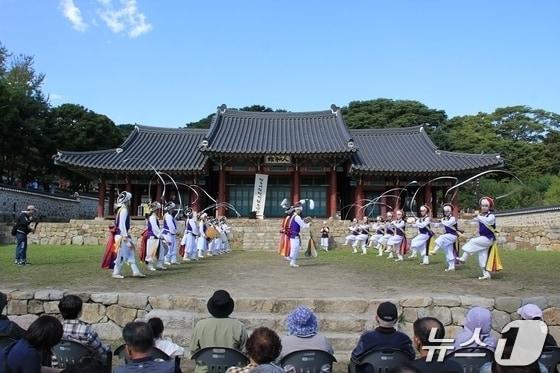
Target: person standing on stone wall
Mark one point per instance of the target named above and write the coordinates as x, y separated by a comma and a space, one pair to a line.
22, 229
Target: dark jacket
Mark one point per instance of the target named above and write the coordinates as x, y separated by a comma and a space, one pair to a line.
10, 329
147, 365
22, 223
383, 338
21, 357
446, 366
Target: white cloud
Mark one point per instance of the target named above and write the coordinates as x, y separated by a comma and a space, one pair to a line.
73, 14
56, 97
127, 18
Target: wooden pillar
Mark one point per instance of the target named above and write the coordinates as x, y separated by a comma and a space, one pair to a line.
332, 193
128, 184
456, 205
295, 185
359, 199
111, 199
428, 198
101, 198
221, 192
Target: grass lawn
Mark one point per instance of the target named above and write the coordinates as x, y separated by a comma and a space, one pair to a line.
255, 273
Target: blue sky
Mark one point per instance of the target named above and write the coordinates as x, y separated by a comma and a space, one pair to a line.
170, 62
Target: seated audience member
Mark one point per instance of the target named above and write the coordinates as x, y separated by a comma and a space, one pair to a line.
8, 328
139, 341
70, 307
25, 355
494, 367
407, 368
303, 333
263, 348
164, 344
86, 364
533, 312
422, 329
477, 318
385, 336
219, 330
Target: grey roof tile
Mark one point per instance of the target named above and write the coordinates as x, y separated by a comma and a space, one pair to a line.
258, 133
167, 149
411, 151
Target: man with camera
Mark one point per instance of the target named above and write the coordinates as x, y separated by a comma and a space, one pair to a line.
21, 230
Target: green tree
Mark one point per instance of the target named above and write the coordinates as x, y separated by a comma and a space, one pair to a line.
552, 194
384, 112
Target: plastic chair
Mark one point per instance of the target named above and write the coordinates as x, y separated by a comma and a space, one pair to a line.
378, 361
70, 353
474, 363
550, 358
219, 359
308, 361
5, 341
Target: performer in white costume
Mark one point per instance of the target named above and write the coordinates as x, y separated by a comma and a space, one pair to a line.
201, 242
448, 240
224, 235
388, 233
190, 236
419, 244
362, 237
296, 225
123, 240
170, 233
395, 241
377, 229
353, 232
487, 234
156, 249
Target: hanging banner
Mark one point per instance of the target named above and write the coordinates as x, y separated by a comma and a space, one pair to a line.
259, 194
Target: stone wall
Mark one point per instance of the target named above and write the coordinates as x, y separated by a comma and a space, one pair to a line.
341, 319
515, 233
51, 206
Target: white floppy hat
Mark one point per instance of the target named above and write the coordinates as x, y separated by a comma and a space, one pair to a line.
530, 312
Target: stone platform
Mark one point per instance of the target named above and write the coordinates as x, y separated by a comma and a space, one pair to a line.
341, 319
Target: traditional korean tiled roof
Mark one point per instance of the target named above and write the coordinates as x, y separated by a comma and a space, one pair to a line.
166, 149
235, 132
411, 151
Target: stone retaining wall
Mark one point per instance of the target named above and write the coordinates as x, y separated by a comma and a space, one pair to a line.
341, 319
263, 234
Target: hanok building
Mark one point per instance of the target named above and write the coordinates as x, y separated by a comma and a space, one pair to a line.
305, 155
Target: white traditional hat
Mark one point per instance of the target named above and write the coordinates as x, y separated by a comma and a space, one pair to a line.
123, 198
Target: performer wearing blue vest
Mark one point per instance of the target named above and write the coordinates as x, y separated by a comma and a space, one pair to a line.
190, 236
123, 240
420, 243
395, 242
487, 235
377, 229
388, 233
170, 233
448, 240
296, 225
155, 249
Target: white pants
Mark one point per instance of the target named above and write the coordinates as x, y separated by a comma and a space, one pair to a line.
215, 246
479, 245
361, 239
189, 240
172, 246
201, 245
350, 239
374, 239
125, 254
447, 242
224, 242
418, 243
383, 240
295, 245
325, 242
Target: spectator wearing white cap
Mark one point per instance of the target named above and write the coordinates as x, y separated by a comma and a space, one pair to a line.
21, 230
533, 312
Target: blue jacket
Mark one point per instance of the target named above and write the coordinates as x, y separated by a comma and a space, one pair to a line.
383, 338
21, 357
